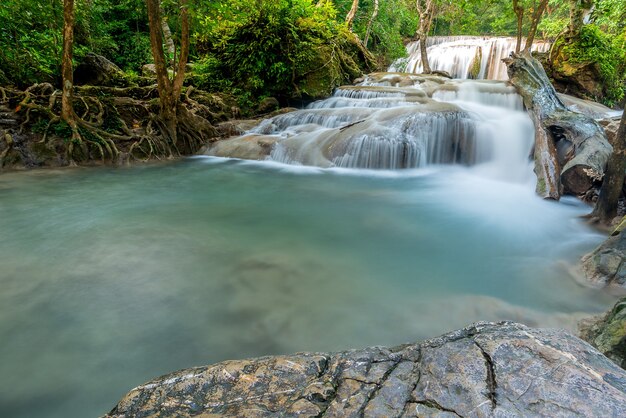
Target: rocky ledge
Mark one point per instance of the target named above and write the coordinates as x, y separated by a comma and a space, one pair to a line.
488, 369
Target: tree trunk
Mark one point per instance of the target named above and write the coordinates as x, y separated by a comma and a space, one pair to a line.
519, 12
588, 149
606, 206
352, 14
169, 42
369, 24
578, 9
67, 69
169, 90
536, 18
425, 8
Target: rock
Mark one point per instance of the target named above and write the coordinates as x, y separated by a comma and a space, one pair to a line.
97, 70
248, 147
148, 70
267, 105
610, 125
605, 265
487, 369
236, 127
608, 333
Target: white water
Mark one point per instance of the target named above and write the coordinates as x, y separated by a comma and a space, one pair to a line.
111, 277
457, 54
430, 120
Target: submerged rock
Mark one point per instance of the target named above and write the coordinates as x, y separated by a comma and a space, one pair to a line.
487, 369
608, 333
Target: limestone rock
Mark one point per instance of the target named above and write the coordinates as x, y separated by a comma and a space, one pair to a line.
608, 333
248, 147
487, 369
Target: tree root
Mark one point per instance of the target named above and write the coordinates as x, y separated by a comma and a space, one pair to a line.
106, 122
9, 141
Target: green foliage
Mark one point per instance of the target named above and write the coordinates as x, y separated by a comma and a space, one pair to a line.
30, 40
31, 36
607, 54
265, 47
397, 20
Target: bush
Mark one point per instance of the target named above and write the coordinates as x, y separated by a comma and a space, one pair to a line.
608, 56
274, 48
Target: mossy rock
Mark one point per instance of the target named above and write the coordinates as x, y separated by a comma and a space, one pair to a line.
335, 65
608, 334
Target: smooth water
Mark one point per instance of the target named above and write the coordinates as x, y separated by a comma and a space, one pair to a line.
110, 277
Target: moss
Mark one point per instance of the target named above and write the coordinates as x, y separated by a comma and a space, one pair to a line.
593, 54
541, 186
475, 66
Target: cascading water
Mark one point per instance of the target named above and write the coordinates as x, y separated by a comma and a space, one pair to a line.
209, 259
396, 121
476, 57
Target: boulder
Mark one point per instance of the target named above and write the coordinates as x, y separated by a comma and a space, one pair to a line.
608, 333
98, 71
487, 369
247, 147
267, 105
148, 70
605, 265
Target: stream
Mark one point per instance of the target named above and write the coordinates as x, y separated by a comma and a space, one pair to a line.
111, 277
391, 212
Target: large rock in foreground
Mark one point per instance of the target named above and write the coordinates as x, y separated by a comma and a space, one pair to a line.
487, 369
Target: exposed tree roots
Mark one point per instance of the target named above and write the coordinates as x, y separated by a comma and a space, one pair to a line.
115, 124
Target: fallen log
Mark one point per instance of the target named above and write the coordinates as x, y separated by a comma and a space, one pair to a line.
583, 146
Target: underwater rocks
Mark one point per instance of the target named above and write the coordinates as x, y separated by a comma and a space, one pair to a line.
487, 369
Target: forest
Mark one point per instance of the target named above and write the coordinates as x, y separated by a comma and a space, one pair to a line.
189, 182
242, 52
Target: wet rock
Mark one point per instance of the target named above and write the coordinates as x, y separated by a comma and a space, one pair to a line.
487, 369
236, 127
610, 125
608, 333
605, 265
248, 147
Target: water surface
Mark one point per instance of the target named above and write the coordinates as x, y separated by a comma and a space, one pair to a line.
111, 277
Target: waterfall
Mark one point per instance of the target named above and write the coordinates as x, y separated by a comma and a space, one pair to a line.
473, 57
399, 121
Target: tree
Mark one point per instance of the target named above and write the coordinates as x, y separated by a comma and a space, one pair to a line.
606, 206
369, 23
519, 13
352, 14
535, 18
67, 71
169, 89
426, 11
534, 22
578, 9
